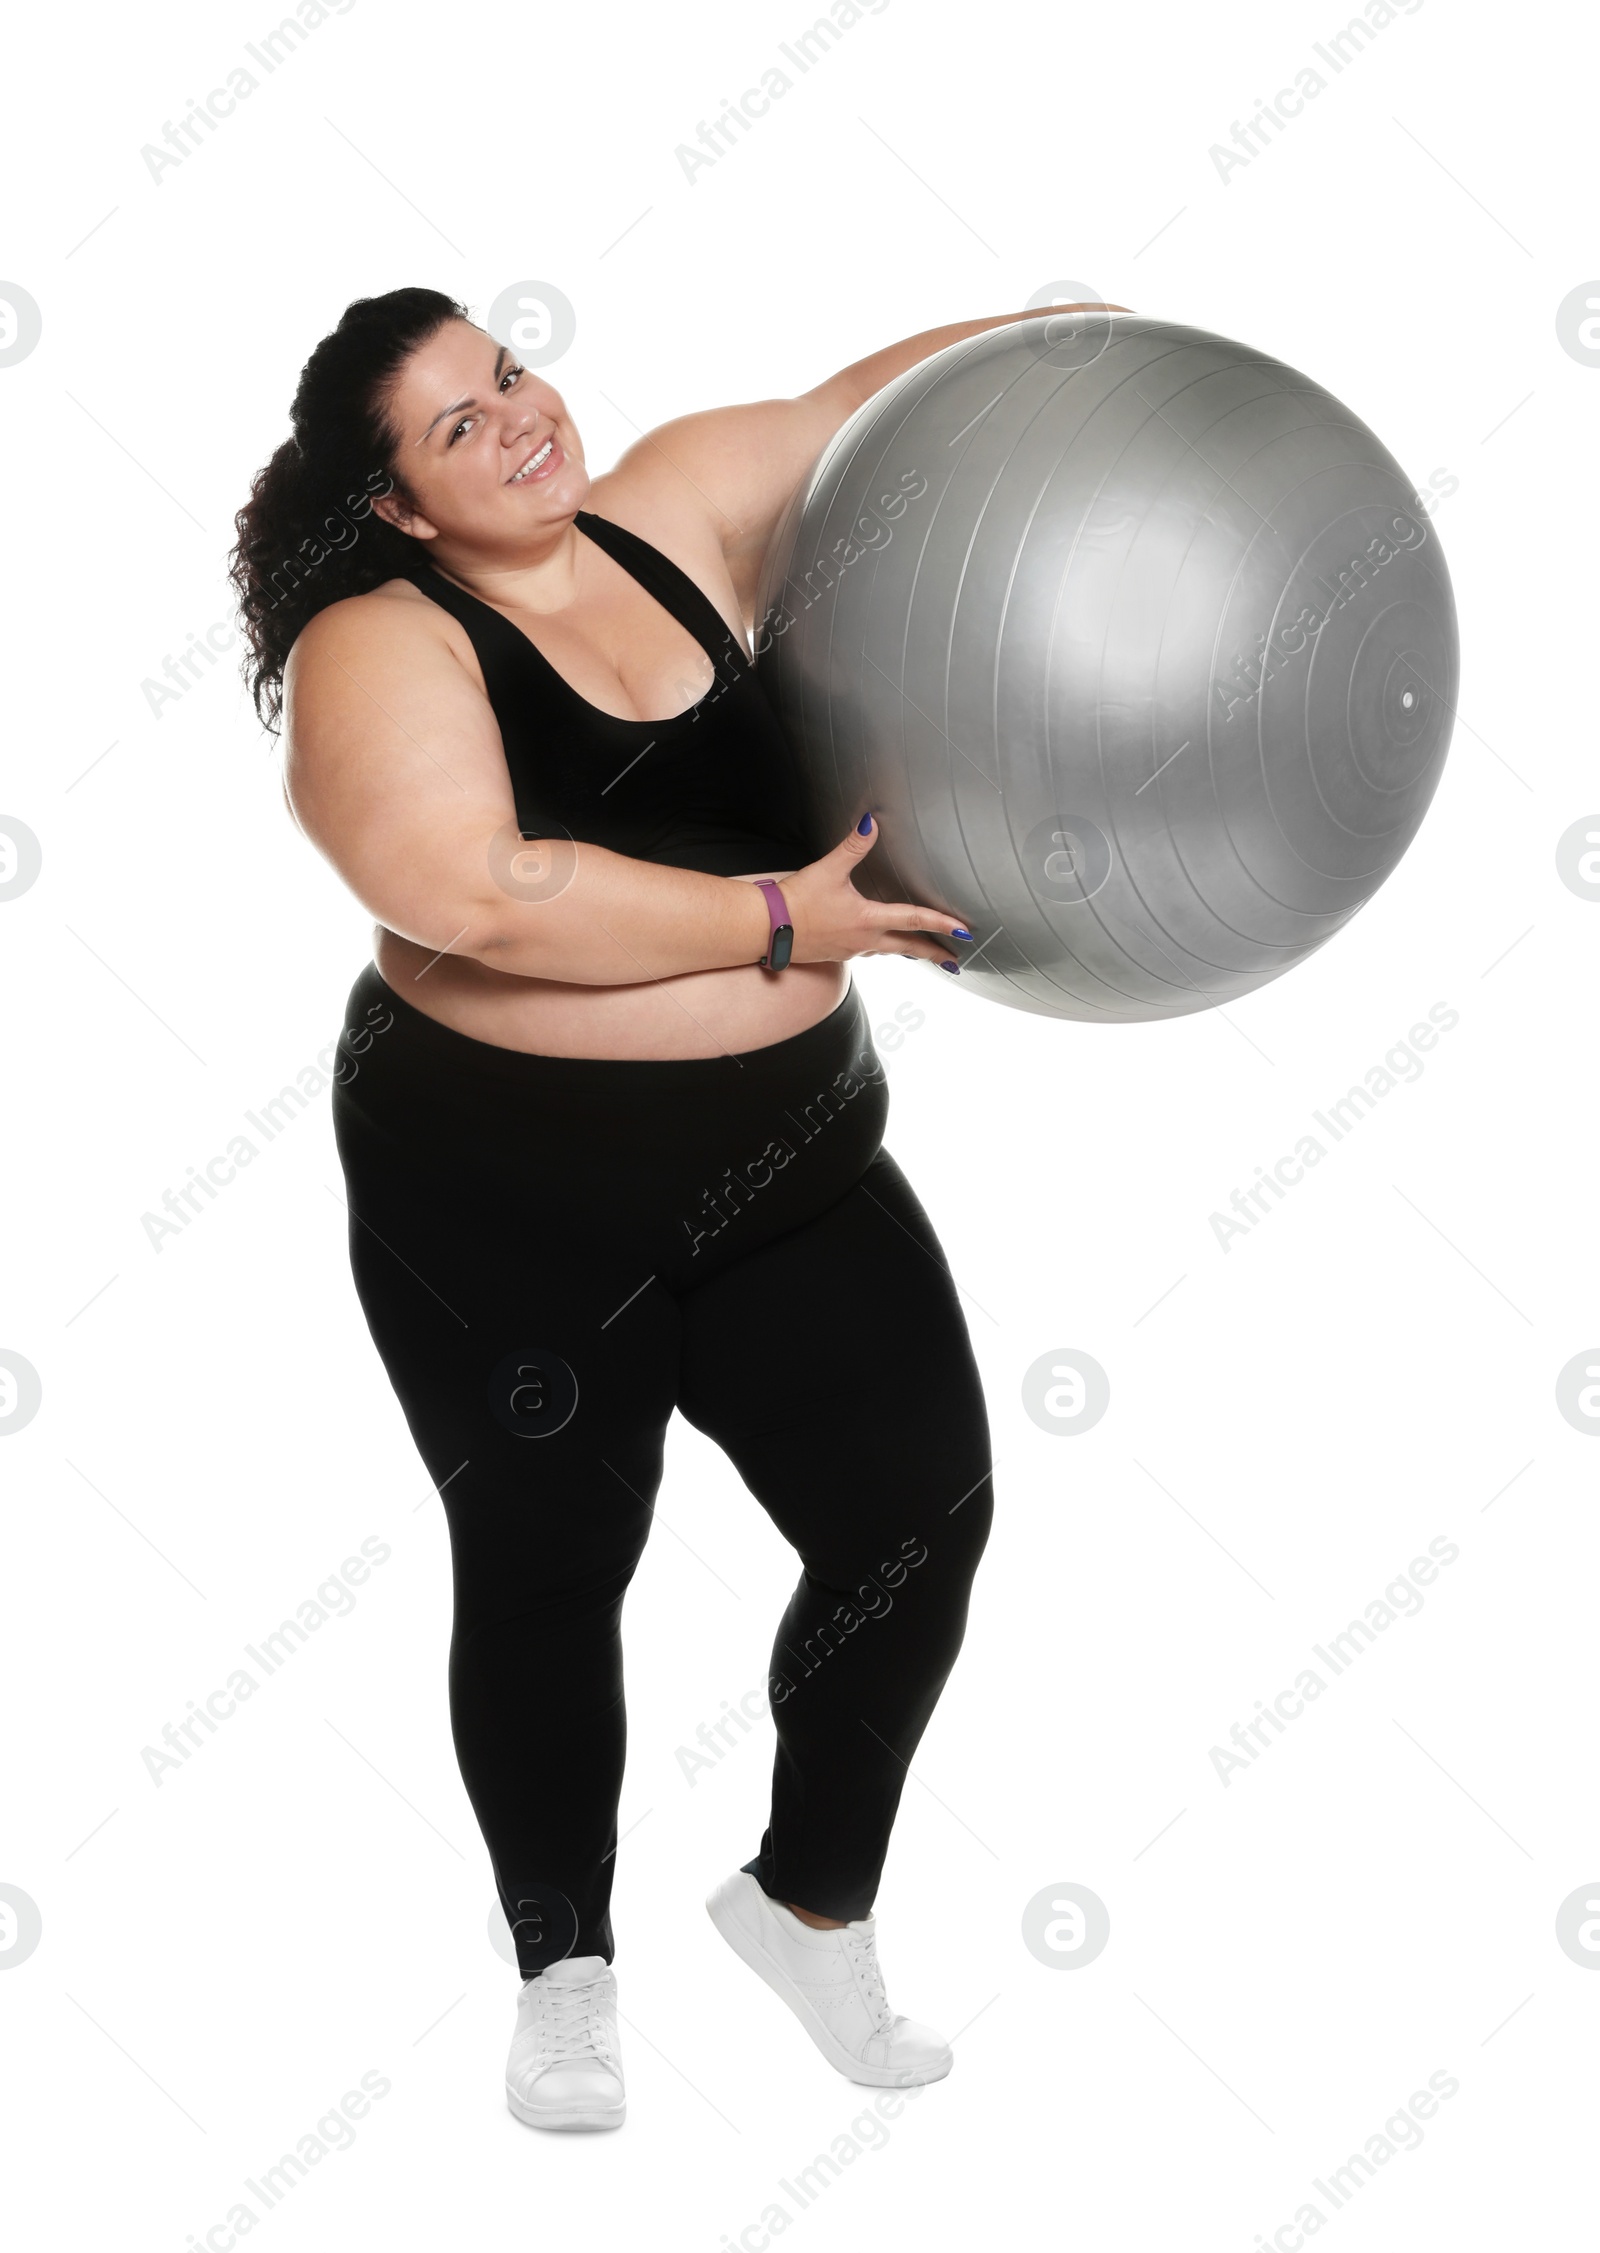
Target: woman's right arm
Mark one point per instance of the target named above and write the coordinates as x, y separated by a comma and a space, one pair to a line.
394, 769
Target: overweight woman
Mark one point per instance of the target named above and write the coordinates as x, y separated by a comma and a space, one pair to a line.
611, 1122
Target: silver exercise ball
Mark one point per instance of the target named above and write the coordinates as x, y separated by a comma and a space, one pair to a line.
1138, 644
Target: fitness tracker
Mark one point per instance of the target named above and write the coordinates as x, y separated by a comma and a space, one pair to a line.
782, 942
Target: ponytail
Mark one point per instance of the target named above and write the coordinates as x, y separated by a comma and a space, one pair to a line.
308, 535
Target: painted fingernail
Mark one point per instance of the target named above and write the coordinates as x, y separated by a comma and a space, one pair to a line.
958, 933
864, 825
955, 966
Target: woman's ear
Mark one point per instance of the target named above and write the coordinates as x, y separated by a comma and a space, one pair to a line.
393, 510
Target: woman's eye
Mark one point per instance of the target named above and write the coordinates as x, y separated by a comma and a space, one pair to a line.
506, 380
465, 424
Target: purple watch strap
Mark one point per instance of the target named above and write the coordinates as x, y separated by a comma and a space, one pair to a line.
777, 907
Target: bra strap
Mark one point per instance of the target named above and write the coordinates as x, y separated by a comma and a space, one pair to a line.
671, 586
506, 658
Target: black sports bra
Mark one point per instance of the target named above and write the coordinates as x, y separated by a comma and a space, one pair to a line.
713, 788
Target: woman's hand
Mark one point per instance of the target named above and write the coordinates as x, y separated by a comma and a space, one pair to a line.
832, 921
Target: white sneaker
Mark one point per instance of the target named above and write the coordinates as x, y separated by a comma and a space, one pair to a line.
831, 1981
565, 2068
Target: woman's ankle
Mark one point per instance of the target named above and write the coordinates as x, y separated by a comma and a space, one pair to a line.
810, 1917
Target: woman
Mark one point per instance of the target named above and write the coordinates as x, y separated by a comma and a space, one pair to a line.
612, 1136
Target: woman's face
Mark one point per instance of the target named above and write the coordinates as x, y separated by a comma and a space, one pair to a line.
486, 447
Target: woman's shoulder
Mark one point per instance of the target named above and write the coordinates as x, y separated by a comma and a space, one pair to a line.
373, 610
664, 511
356, 667
391, 632
395, 614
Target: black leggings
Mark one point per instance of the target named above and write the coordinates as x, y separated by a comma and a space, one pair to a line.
553, 1253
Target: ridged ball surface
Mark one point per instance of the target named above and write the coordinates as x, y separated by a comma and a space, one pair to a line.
1138, 644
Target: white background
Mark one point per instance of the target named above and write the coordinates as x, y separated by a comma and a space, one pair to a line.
1291, 1421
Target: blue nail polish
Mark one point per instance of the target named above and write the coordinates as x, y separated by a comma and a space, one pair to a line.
864, 825
955, 966
958, 933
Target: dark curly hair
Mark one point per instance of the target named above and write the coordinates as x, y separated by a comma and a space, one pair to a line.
308, 535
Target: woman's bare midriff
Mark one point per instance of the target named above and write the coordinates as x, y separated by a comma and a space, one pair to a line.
699, 1013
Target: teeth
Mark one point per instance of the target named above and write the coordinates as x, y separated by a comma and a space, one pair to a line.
533, 462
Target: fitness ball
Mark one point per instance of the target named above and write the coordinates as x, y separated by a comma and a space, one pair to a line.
1140, 647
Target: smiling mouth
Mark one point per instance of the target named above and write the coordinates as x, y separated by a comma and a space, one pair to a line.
533, 462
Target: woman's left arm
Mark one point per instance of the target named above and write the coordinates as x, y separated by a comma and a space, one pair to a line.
739, 465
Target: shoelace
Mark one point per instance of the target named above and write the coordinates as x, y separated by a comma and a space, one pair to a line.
862, 1950
571, 2022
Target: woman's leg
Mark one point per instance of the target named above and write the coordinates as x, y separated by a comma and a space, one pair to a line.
833, 1366
541, 1423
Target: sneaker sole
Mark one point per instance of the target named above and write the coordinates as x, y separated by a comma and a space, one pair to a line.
723, 1912
579, 2117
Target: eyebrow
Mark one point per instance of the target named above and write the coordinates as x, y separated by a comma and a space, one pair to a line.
499, 363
